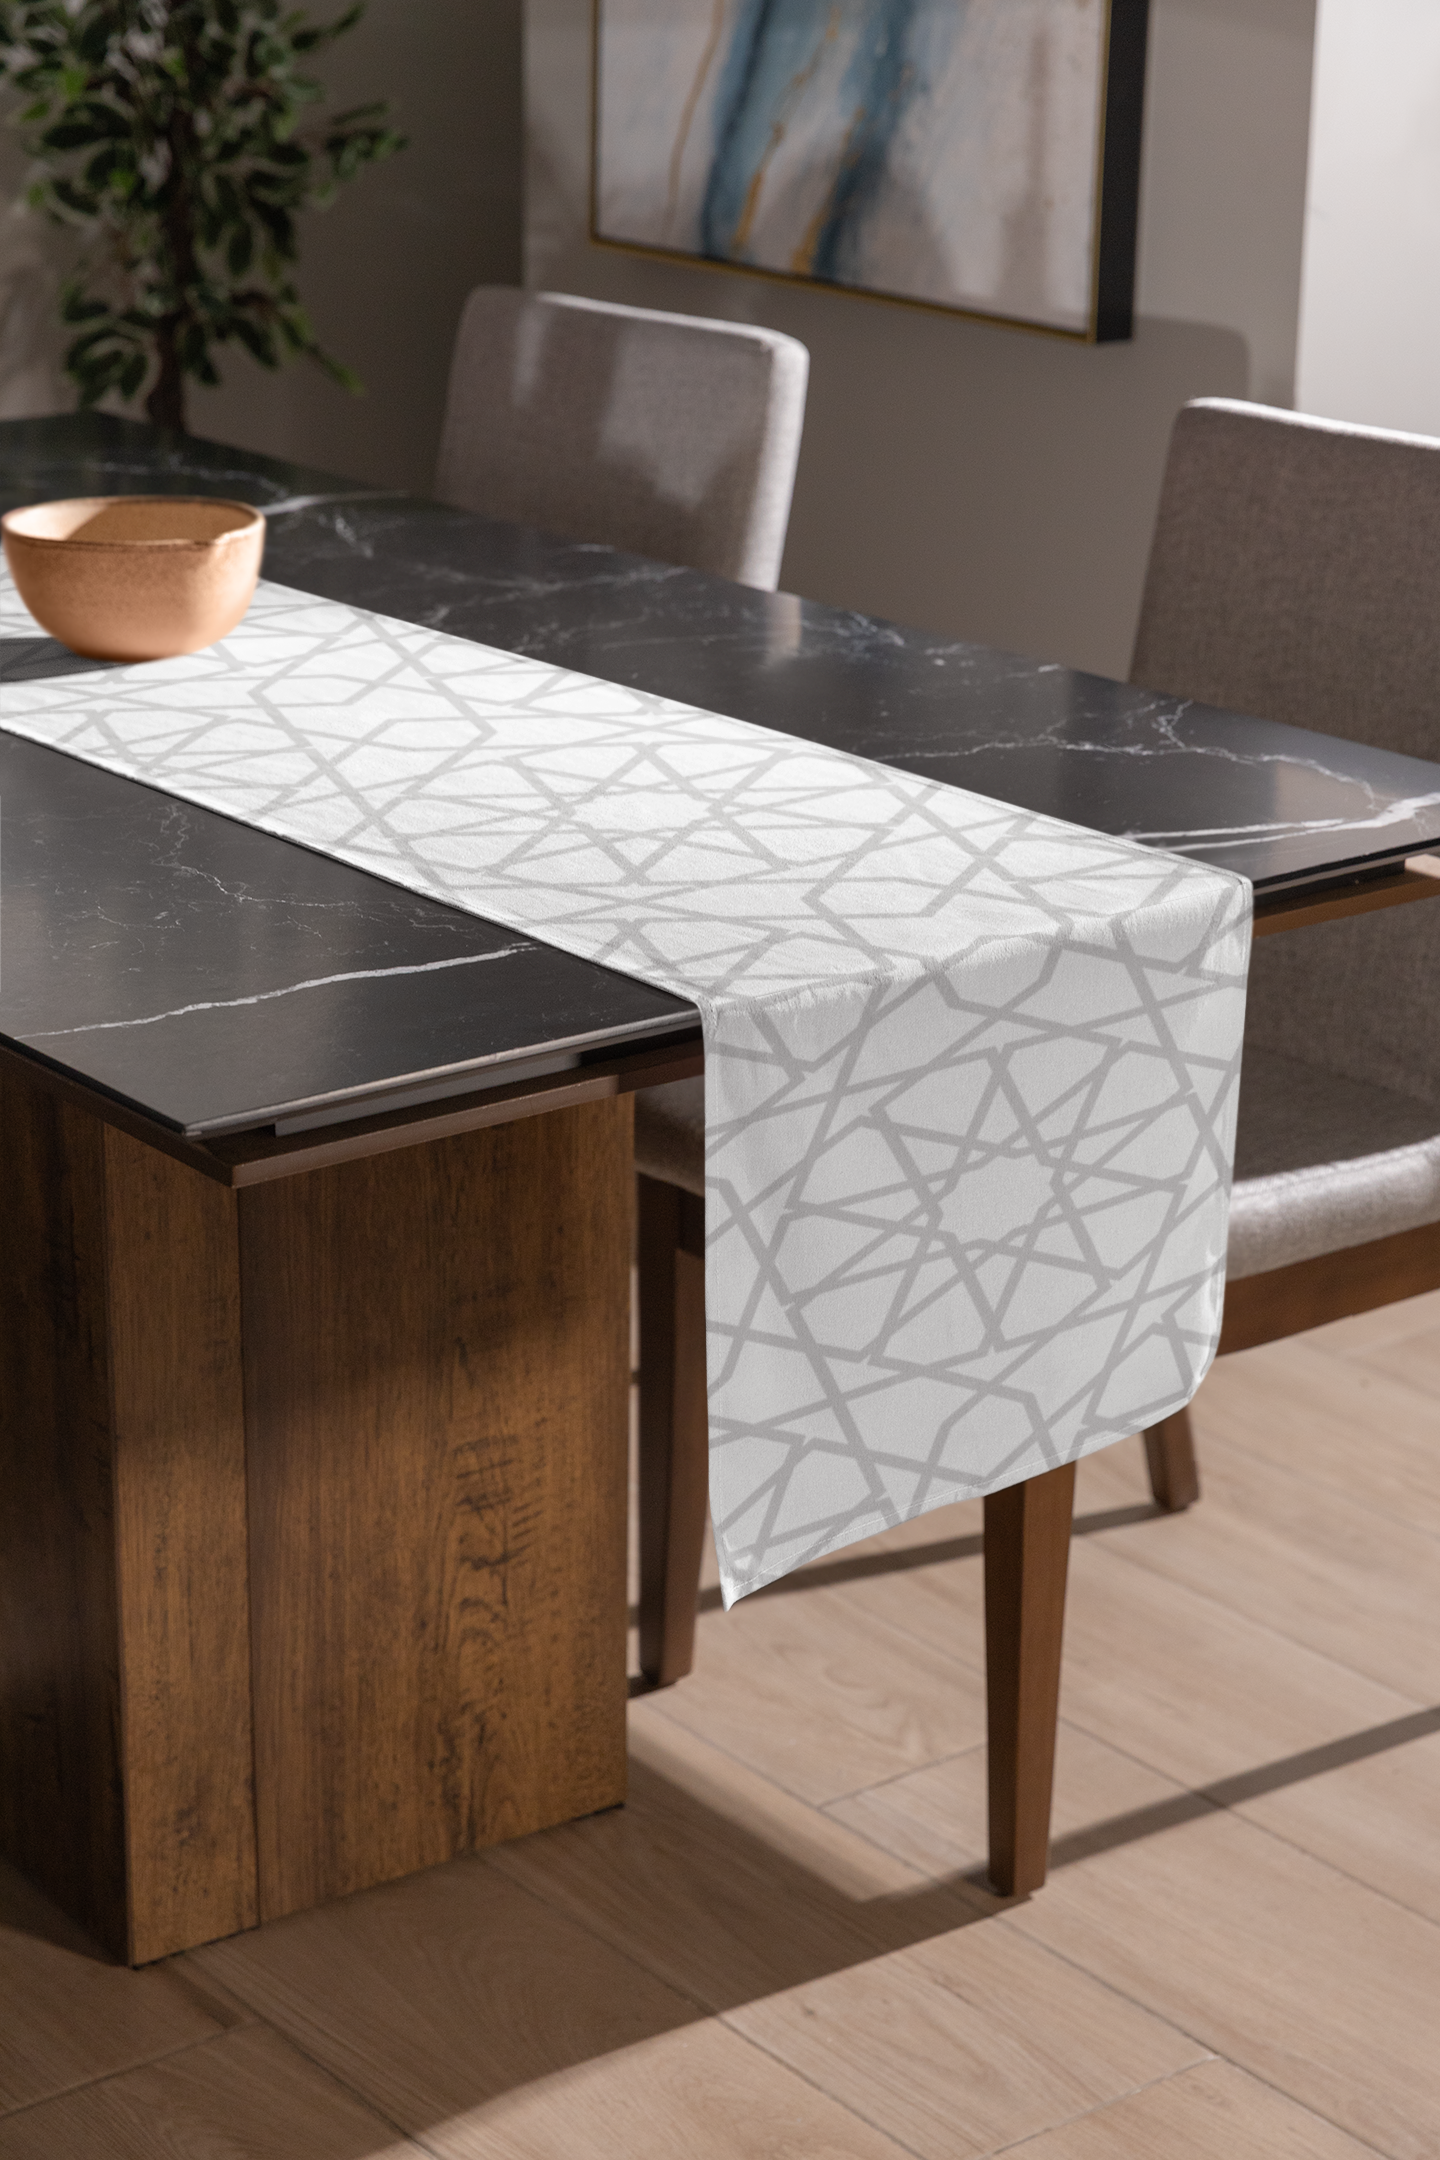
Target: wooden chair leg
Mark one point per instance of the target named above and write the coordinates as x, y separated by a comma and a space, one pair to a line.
1170, 1454
1027, 1552
674, 1427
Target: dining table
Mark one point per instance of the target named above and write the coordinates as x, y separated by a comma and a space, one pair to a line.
316, 1205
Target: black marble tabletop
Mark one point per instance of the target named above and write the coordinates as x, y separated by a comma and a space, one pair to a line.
219, 978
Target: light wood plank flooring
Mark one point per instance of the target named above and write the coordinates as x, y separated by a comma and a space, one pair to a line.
782, 1948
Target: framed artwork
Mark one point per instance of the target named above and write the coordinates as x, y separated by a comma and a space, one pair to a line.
981, 156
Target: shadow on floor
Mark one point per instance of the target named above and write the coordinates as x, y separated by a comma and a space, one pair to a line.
827, 1574
1269, 1777
444, 1996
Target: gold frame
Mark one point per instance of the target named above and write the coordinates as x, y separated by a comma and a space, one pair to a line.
640, 252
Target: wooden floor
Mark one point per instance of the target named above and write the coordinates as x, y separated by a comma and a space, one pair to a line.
780, 1949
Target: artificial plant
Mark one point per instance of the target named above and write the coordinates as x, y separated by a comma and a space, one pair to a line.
167, 132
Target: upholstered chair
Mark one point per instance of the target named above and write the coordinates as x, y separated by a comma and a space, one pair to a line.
1294, 574
669, 435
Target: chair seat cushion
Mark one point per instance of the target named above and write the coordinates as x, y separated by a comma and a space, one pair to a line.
1321, 1162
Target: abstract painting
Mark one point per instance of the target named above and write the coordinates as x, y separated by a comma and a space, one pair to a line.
977, 155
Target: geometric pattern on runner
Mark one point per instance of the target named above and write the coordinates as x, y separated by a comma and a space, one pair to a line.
970, 1072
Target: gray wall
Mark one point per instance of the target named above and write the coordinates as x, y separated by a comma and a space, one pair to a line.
383, 272
979, 480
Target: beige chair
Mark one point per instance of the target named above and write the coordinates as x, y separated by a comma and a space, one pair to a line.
668, 435
1295, 573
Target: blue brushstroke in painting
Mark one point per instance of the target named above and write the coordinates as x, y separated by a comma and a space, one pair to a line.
772, 48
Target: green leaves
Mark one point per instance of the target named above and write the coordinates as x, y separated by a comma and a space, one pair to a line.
169, 132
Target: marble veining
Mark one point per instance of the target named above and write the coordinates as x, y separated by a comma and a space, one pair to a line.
139, 935
128, 905
264, 997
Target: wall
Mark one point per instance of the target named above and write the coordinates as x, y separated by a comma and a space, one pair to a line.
972, 479
977, 480
383, 272
1370, 309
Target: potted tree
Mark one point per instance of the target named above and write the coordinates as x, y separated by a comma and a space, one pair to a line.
168, 134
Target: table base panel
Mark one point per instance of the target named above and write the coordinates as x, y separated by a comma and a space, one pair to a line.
436, 1382
124, 1654
312, 1566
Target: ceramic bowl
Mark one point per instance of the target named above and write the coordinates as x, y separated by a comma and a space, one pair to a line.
135, 577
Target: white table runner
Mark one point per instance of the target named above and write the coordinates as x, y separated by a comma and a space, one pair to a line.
970, 1073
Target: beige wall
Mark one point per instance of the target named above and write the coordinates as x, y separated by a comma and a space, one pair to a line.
1370, 312
979, 480
383, 273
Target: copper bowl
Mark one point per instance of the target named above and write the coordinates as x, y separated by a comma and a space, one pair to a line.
135, 577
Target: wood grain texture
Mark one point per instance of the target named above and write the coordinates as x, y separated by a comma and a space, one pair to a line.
1307, 1563
436, 1379
824, 1697
1208, 1867
30, 1074
1209, 1693
1027, 1550
728, 1888
674, 1426
1413, 1358
935, 1819
67, 2014
1284, 1558
1293, 1400
1211, 2110
125, 1713
968, 2044
1305, 1978
1312, 1293
494, 2027
181, 1543
242, 2096
1170, 1461
61, 1816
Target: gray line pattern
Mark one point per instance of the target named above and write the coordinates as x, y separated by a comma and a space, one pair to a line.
971, 1073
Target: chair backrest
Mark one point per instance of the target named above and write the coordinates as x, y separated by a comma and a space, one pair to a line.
1295, 574
668, 435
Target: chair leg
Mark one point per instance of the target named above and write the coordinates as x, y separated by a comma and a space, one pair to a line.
1027, 1553
1170, 1455
674, 1427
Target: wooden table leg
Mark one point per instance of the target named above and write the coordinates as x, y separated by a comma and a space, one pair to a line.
1027, 1551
